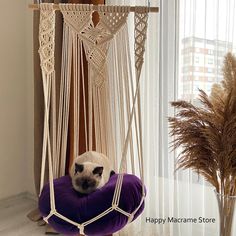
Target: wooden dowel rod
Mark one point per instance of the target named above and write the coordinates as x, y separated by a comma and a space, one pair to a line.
95, 7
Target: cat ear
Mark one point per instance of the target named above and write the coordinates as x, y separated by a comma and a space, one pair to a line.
112, 173
79, 168
98, 170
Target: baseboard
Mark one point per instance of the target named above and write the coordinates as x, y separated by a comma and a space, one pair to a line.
23, 195
31, 196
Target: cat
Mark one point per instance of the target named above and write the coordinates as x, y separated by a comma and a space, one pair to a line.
90, 171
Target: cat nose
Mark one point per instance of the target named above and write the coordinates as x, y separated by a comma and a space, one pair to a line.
85, 184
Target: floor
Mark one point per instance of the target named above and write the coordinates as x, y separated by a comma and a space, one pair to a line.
13, 220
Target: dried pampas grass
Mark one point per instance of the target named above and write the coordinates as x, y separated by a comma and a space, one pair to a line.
207, 134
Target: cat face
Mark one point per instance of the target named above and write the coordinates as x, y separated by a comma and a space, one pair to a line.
87, 177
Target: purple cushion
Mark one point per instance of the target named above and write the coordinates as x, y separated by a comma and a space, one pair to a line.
80, 207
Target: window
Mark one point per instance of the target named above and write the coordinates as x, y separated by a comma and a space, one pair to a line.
210, 70
196, 59
210, 61
197, 27
210, 52
187, 60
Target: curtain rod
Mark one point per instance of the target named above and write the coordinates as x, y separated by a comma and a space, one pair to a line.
56, 7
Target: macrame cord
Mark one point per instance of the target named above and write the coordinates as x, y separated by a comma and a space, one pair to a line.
46, 52
113, 94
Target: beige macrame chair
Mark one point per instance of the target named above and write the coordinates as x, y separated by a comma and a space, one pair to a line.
114, 105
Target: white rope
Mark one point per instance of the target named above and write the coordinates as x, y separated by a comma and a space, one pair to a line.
115, 200
61, 99
46, 52
84, 98
98, 217
54, 124
65, 102
91, 112
141, 19
75, 93
126, 51
46, 120
110, 115
60, 113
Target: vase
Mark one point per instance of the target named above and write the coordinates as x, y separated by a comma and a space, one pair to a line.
226, 205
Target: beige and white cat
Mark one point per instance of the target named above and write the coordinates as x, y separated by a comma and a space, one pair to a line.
90, 171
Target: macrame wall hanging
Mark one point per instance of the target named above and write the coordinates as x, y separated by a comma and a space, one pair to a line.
112, 101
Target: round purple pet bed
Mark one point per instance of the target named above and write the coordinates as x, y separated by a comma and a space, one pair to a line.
80, 208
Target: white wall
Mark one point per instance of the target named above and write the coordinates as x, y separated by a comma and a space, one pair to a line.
16, 99
30, 99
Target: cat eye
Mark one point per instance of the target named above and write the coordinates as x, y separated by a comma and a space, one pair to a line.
98, 170
78, 168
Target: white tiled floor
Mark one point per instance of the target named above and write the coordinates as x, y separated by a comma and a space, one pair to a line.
13, 220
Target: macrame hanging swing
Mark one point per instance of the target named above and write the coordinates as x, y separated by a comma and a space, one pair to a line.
114, 120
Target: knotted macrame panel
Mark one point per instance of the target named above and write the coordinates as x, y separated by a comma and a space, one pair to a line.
111, 83
112, 101
111, 104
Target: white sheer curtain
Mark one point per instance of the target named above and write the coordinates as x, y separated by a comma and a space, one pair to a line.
207, 31
186, 42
